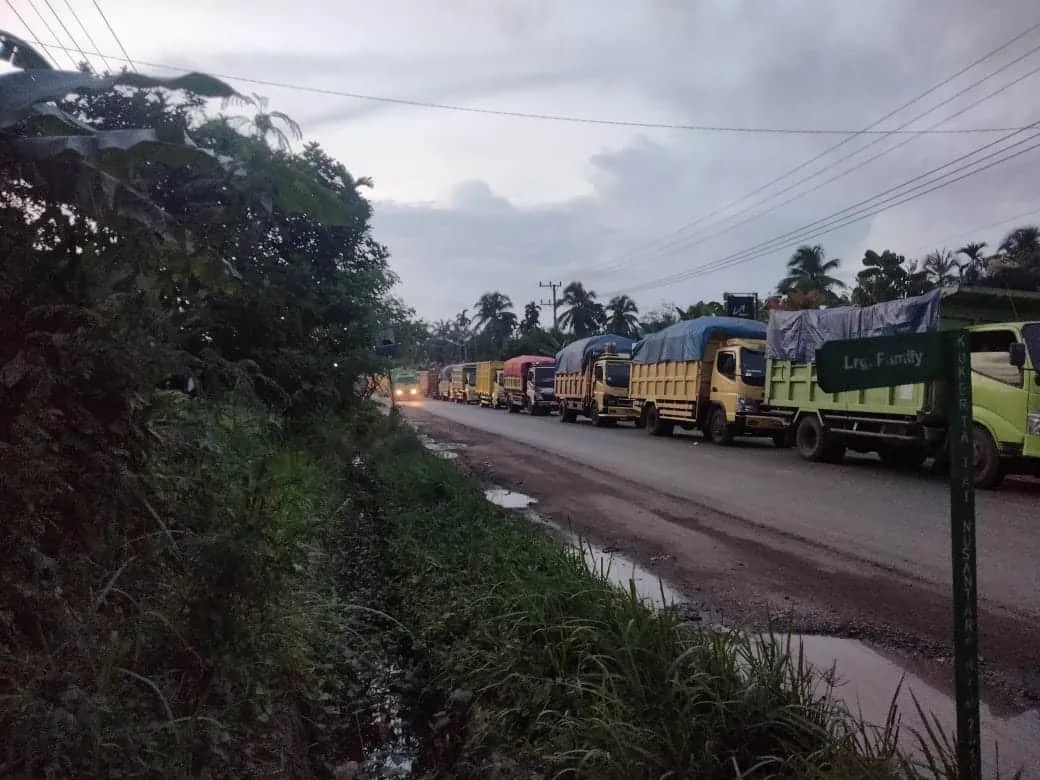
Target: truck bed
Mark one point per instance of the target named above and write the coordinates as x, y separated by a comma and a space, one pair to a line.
672, 387
793, 387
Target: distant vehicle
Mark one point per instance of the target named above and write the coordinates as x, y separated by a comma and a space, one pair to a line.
405, 384
428, 384
487, 371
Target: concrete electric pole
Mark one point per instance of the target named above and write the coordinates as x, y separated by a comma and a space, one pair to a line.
555, 302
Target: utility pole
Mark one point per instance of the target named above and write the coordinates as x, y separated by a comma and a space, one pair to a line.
555, 302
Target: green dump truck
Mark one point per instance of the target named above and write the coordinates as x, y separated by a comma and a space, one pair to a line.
906, 425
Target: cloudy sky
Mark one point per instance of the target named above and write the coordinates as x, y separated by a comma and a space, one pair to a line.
471, 202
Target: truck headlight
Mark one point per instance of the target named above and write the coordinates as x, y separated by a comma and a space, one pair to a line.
412, 391
1033, 424
397, 391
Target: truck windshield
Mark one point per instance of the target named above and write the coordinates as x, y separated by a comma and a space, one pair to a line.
753, 367
543, 376
617, 374
405, 377
1031, 336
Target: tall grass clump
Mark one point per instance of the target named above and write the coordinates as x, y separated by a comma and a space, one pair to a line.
541, 665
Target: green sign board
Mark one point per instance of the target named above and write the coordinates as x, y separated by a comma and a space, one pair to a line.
890, 361
886, 361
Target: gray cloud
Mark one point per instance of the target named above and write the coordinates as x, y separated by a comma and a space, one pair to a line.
801, 63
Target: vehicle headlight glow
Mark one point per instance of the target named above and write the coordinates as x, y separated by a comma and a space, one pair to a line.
397, 391
412, 391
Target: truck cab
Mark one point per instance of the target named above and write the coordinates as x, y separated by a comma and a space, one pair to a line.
600, 392
737, 391
539, 388
1005, 364
499, 395
470, 394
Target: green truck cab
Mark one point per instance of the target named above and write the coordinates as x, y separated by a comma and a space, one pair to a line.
405, 384
908, 424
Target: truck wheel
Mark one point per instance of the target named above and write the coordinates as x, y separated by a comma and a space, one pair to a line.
597, 418
655, 426
565, 416
988, 470
814, 444
718, 428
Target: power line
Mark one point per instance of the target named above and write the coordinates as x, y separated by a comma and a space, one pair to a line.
32, 35
555, 302
677, 243
122, 48
562, 117
53, 34
819, 227
66, 29
86, 32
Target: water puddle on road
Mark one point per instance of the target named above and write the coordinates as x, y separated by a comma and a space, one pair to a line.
507, 499
867, 682
440, 449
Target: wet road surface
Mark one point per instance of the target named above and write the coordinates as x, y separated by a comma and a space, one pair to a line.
859, 509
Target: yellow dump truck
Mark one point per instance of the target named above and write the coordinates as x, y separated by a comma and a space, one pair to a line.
499, 392
444, 383
707, 373
464, 383
487, 370
592, 380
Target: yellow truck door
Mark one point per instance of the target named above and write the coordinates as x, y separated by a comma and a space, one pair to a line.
724, 382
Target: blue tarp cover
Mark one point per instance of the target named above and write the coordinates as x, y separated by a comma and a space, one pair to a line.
575, 357
796, 335
687, 340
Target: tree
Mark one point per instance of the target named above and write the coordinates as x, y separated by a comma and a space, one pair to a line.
809, 273
622, 316
976, 263
494, 319
532, 316
701, 309
660, 318
887, 277
941, 267
265, 125
1021, 247
584, 315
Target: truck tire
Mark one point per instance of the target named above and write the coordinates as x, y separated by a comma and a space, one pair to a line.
814, 444
719, 431
567, 414
597, 419
989, 472
655, 426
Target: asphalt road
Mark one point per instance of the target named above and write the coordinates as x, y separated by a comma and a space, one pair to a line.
857, 509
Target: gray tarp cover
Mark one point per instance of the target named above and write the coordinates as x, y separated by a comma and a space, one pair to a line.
687, 340
574, 357
445, 373
796, 335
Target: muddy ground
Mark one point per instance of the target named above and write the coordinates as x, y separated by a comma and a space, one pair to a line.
745, 576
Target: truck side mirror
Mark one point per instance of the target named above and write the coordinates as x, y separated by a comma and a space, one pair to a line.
1017, 355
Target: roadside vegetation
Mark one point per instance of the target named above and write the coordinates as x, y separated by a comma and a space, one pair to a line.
223, 561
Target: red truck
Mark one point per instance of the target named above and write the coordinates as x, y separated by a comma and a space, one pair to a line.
528, 382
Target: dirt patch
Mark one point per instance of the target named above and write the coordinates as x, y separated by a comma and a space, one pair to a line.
744, 573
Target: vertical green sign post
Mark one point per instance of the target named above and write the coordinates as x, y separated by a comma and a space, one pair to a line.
889, 361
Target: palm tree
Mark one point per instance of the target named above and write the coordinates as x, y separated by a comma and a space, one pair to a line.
942, 267
584, 315
1022, 246
809, 273
622, 316
532, 315
490, 308
266, 123
701, 309
976, 262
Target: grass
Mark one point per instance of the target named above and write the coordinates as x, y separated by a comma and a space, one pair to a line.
264, 600
535, 666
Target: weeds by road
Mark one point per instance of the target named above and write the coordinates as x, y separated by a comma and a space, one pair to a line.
530, 665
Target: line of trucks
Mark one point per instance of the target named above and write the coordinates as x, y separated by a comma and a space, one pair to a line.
730, 377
